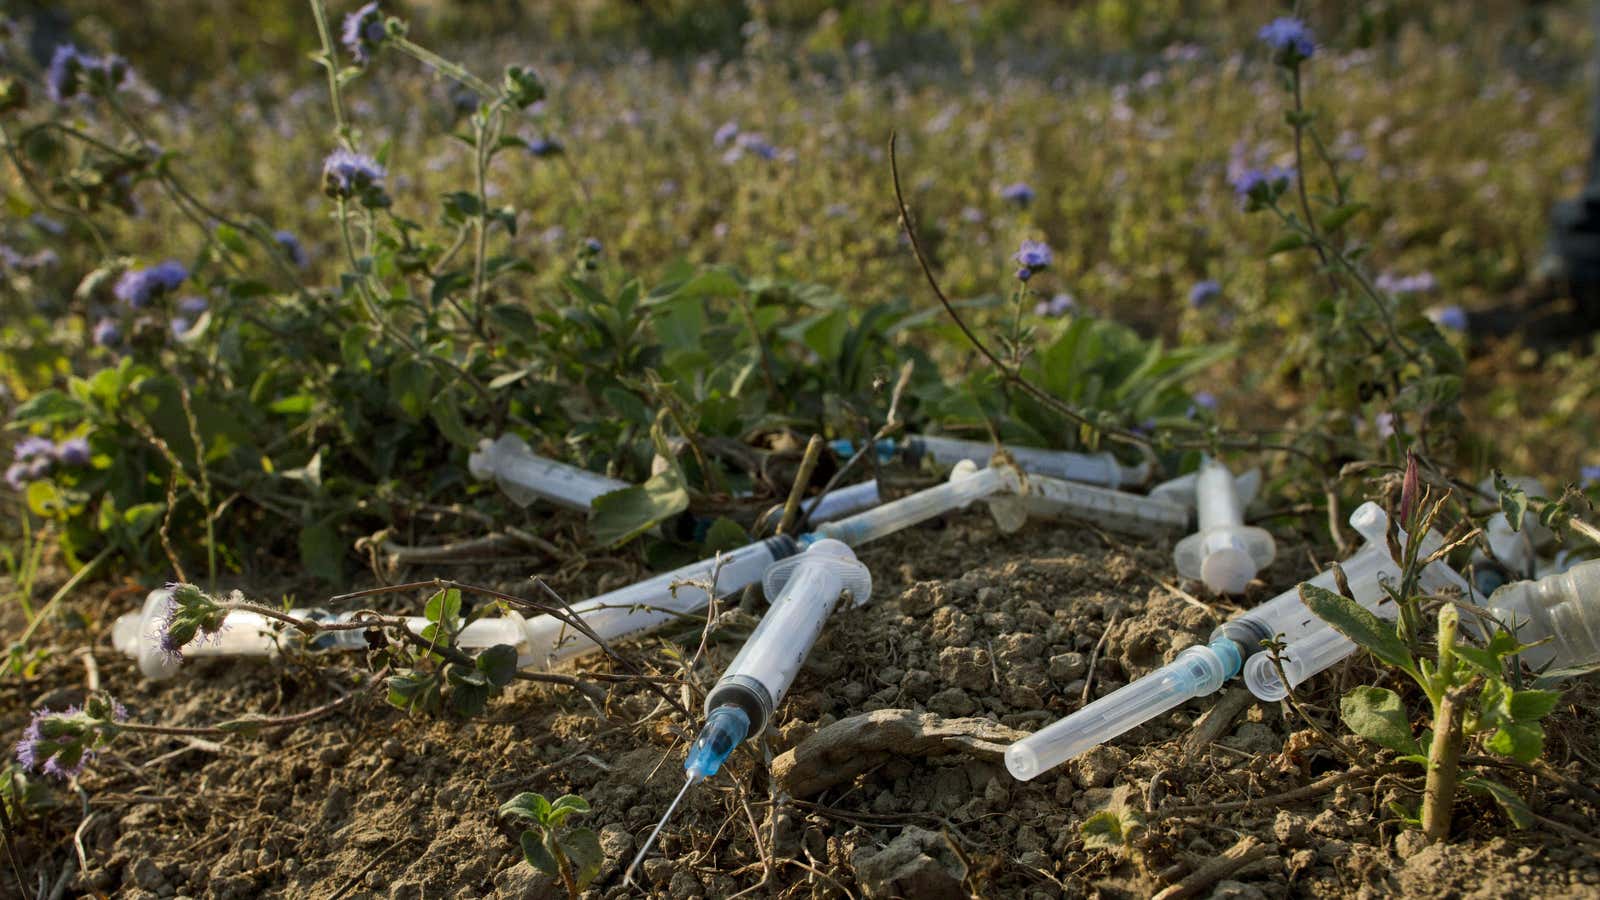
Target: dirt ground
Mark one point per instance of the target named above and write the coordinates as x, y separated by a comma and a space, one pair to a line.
965, 624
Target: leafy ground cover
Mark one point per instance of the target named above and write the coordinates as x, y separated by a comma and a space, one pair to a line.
255, 322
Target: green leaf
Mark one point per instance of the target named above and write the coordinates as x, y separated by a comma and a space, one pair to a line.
571, 802
1515, 808
533, 850
444, 607
1358, 624
294, 404
411, 387
446, 413
498, 664
141, 517
1336, 219
1513, 500
321, 552
468, 699
623, 515
527, 805
1376, 714
229, 237
725, 535
1531, 706
1522, 741
49, 407
1285, 244
1107, 830
582, 847
414, 690
1485, 662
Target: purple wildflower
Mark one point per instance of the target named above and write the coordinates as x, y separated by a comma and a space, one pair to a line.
1024, 273
1206, 399
180, 326
192, 307
1385, 424
757, 144
63, 76
31, 448
1255, 187
291, 247
1420, 283
543, 147
140, 287
1034, 256
593, 245
1590, 475
107, 333
1291, 41
1019, 193
73, 452
169, 644
363, 32
1203, 293
346, 174
1056, 306
725, 135
1452, 317
17, 476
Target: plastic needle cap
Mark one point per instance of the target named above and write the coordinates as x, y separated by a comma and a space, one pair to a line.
725, 728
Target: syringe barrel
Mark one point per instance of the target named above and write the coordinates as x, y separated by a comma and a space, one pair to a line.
846, 501
526, 476
919, 507
759, 677
1196, 672
1301, 658
1115, 510
648, 605
1216, 497
1565, 608
1098, 468
1286, 617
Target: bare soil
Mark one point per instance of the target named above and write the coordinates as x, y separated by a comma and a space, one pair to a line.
965, 624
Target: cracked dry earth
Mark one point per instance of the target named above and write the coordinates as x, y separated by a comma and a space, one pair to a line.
972, 638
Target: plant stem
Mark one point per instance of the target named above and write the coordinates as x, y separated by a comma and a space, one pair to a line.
330, 64
1444, 766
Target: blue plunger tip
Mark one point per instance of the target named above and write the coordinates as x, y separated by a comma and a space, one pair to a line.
726, 726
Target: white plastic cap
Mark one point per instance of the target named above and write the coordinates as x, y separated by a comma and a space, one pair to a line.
134, 634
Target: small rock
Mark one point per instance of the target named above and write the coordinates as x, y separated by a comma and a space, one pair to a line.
393, 749
919, 684
923, 597
1019, 649
146, 874
1068, 667
1098, 767
918, 863
1410, 843
952, 627
1291, 829
965, 667
1253, 737
952, 702
684, 884
524, 882
658, 870
784, 827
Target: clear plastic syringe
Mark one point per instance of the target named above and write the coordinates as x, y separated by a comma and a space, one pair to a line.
246, 633
1225, 553
525, 476
1097, 468
1114, 510
805, 588
836, 504
1312, 645
1000, 486
1560, 610
1196, 672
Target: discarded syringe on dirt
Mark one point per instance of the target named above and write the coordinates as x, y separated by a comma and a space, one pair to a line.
805, 589
1202, 669
1101, 469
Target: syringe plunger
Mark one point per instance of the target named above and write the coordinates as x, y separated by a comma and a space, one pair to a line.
1225, 553
966, 484
525, 476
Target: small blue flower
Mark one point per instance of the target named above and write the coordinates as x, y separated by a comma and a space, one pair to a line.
1203, 293
31, 448
141, 287
1291, 41
107, 333
1034, 256
757, 144
346, 174
291, 248
1590, 475
1420, 283
364, 32
1205, 400
1056, 306
193, 307
543, 147
73, 452
180, 326
17, 476
62, 77
1257, 187
1019, 193
725, 135
1452, 317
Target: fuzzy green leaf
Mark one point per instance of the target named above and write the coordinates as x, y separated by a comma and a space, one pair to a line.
533, 850
582, 847
1376, 714
498, 664
1515, 808
527, 805
1513, 501
1358, 624
1531, 706
623, 515
1522, 741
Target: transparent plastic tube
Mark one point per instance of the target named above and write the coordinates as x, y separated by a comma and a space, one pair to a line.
1563, 610
1196, 672
1099, 468
1114, 510
648, 605
525, 476
845, 501
1225, 553
251, 634
1301, 659
806, 588
965, 486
